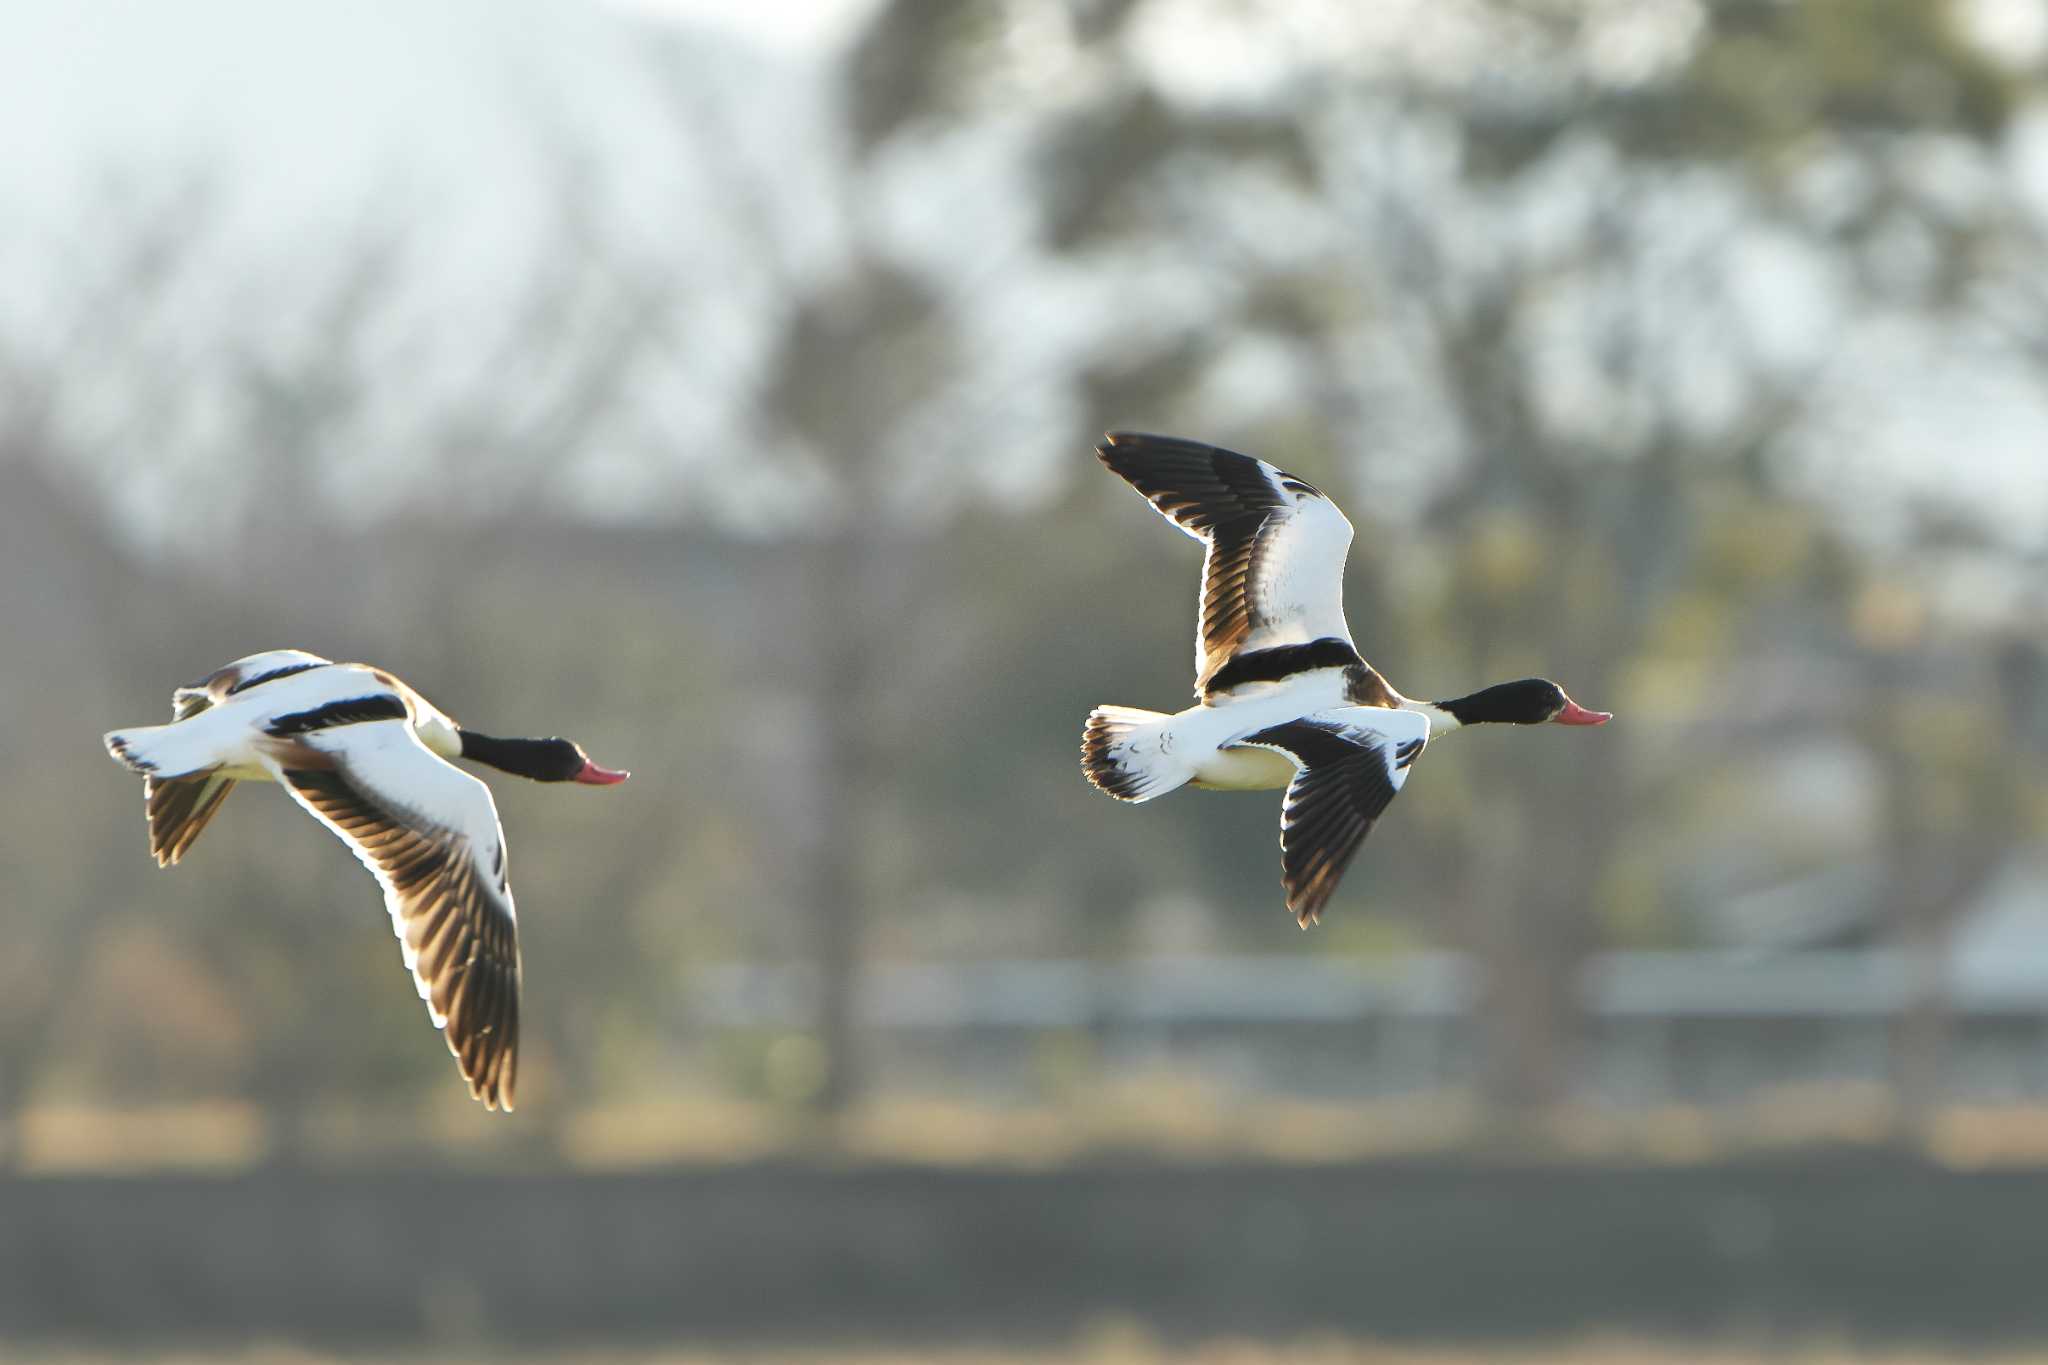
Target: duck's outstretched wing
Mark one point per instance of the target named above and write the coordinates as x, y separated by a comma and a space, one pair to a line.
1349, 764
1273, 570
429, 833
251, 670
178, 809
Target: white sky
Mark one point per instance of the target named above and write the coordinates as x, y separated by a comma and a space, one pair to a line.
797, 26
305, 110
315, 114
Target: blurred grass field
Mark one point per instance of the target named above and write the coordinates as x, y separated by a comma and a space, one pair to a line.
1162, 1117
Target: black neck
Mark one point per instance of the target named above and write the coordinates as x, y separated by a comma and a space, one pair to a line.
1530, 701
543, 760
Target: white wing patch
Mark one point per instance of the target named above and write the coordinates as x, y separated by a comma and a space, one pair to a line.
1297, 586
1401, 726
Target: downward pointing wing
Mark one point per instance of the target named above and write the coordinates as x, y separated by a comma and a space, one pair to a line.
1349, 765
429, 833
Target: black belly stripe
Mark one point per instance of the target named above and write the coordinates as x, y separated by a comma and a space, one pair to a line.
272, 676
1282, 661
348, 711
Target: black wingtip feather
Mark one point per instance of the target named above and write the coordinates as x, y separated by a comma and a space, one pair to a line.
1343, 787
1132, 453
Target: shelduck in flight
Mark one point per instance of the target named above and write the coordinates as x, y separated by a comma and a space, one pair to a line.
366, 756
1284, 698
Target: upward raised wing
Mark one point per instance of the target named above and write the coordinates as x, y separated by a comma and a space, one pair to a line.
1349, 764
429, 833
1273, 571
251, 670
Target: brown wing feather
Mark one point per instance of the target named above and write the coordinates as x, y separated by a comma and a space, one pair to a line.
188, 702
1218, 495
454, 917
1228, 571
178, 811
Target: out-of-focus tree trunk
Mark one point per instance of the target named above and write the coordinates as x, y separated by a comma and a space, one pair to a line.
1921, 1035
1529, 910
833, 880
81, 602
1933, 880
1522, 1016
1954, 803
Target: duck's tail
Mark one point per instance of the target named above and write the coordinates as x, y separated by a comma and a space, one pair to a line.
163, 751
1123, 754
181, 785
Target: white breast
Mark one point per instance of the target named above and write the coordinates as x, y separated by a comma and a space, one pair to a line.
1203, 735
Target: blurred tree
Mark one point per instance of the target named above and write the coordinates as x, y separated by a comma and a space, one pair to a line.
57, 906
861, 347
1482, 248
1507, 304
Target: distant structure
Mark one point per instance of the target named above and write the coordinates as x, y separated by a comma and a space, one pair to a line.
1695, 1027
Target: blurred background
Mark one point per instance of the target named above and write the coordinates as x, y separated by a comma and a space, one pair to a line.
716, 387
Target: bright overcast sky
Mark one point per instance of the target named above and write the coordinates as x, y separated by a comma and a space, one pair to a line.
310, 112
794, 25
